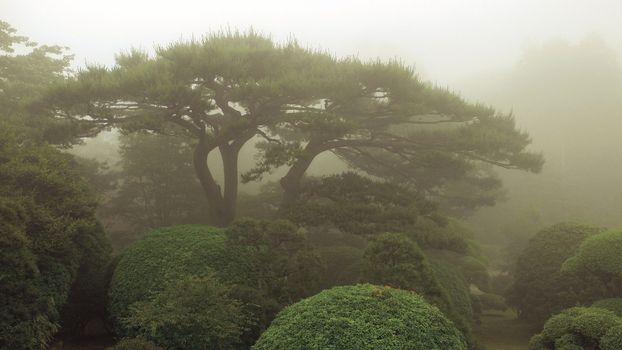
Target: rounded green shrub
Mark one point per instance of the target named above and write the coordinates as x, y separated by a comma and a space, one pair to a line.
577, 327
165, 254
599, 257
540, 289
361, 317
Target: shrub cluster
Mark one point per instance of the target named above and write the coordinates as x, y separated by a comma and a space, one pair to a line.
580, 328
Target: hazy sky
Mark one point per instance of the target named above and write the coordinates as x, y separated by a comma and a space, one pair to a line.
446, 40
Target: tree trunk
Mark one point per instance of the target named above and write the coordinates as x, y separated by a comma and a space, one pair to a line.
210, 187
229, 155
291, 181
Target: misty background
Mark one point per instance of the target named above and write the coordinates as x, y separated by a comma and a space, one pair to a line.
555, 64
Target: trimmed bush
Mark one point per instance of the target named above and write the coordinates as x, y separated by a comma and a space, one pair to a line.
576, 328
361, 317
540, 289
164, 255
600, 257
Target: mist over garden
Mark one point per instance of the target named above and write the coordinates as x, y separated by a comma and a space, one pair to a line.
241, 190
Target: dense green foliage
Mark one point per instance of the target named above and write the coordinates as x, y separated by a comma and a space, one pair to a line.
611, 304
600, 257
50, 242
135, 344
578, 328
359, 205
191, 313
361, 317
393, 259
612, 339
165, 254
458, 304
27, 70
266, 264
540, 289
281, 266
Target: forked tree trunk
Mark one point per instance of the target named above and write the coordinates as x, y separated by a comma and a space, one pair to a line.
222, 203
211, 190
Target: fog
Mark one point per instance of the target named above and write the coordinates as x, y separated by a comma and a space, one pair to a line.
348, 189
446, 40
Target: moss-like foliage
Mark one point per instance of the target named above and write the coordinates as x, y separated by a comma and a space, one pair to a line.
599, 257
361, 317
540, 289
49, 239
577, 328
611, 304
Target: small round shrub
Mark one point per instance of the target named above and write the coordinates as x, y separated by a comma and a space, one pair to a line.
599, 256
361, 317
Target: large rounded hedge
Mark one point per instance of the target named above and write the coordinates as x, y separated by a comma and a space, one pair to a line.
540, 289
599, 256
166, 254
361, 317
